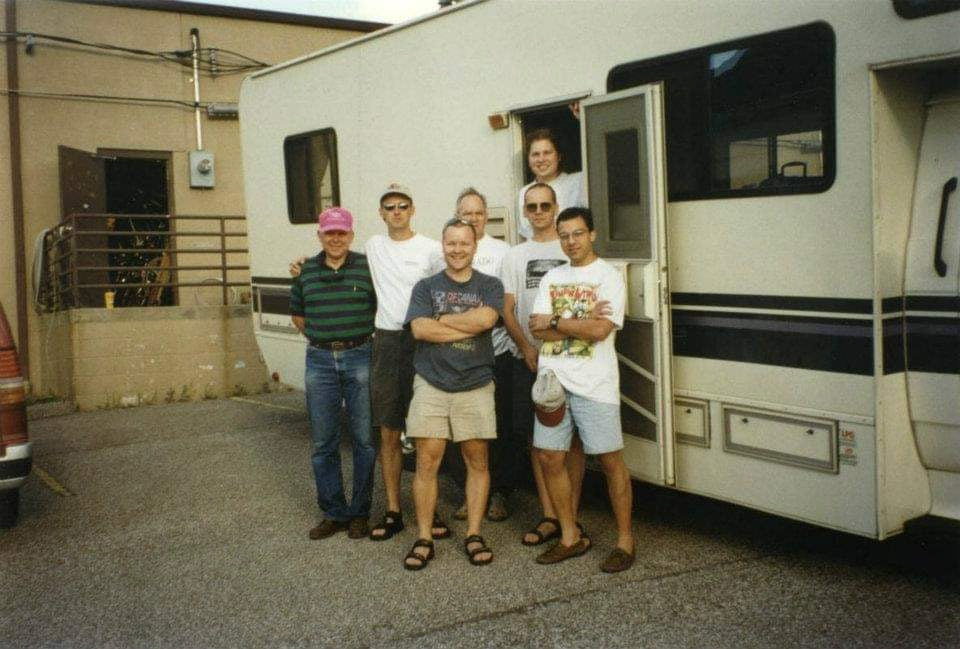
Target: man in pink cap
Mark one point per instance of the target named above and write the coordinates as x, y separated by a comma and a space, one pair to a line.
333, 304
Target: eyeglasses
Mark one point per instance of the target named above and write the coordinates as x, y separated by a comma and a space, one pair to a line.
576, 234
532, 207
393, 207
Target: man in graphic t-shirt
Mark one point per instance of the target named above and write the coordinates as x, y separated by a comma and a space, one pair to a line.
579, 349
451, 315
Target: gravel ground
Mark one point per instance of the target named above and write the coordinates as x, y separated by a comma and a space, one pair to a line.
186, 526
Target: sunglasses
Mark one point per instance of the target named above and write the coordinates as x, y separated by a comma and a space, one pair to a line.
532, 207
393, 207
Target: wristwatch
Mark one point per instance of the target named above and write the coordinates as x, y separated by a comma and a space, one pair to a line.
554, 322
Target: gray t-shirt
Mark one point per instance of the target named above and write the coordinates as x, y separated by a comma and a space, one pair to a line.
465, 364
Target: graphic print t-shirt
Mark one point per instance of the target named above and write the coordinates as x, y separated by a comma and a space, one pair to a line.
465, 364
523, 268
588, 369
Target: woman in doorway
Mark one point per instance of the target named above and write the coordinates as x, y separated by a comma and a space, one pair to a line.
544, 160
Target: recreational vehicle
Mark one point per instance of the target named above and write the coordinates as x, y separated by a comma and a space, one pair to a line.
776, 181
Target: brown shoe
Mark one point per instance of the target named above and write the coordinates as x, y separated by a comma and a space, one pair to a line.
559, 552
618, 561
358, 528
327, 528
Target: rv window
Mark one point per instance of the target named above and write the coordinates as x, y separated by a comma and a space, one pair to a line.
623, 186
311, 167
921, 8
750, 118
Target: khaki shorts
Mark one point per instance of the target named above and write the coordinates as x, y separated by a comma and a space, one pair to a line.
456, 416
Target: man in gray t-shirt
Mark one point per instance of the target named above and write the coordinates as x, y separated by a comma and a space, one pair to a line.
463, 364
451, 315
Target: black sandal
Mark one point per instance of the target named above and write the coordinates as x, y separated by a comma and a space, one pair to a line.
439, 524
392, 524
424, 559
541, 537
472, 554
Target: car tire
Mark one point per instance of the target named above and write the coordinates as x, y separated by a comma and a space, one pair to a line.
9, 507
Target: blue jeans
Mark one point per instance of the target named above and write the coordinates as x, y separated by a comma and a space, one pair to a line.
334, 378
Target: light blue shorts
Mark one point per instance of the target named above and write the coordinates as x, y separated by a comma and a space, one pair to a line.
598, 425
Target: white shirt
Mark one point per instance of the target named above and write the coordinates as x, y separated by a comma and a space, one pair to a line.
395, 267
523, 268
587, 369
569, 191
489, 259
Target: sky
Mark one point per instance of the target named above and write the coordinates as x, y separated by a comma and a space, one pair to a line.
388, 11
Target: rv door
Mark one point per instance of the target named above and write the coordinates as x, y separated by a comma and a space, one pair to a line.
623, 157
932, 307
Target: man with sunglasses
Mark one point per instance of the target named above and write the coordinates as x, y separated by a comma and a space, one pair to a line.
579, 349
398, 260
523, 268
332, 303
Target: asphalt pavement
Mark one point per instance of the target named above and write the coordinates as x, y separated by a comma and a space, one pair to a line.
185, 525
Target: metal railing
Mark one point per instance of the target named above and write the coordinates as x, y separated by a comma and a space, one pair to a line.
120, 260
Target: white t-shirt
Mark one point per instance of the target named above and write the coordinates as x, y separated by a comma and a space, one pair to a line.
586, 369
569, 191
395, 267
489, 260
523, 268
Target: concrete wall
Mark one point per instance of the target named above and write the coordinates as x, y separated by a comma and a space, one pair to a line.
92, 125
105, 358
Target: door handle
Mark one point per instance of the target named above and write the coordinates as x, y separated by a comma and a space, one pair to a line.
939, 264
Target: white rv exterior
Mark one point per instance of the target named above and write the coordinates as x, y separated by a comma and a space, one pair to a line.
798, 325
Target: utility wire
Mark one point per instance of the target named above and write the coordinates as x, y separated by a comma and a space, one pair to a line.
212, 60
110, 98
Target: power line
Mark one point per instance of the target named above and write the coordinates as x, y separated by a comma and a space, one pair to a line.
212, 60
90, 97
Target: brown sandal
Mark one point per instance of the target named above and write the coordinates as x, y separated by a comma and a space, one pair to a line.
482, 548
424, 559
392, 524
541, 537
438, 524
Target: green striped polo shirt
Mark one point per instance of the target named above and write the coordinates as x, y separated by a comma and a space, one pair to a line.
337, 305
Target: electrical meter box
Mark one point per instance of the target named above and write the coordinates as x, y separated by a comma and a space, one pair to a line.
201, 169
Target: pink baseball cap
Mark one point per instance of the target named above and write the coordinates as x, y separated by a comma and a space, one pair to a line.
335, 218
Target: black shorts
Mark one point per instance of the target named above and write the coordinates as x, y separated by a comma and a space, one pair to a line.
391, 386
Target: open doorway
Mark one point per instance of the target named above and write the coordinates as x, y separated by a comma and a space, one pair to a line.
137, 183
561, 118
565, 126
94, 187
